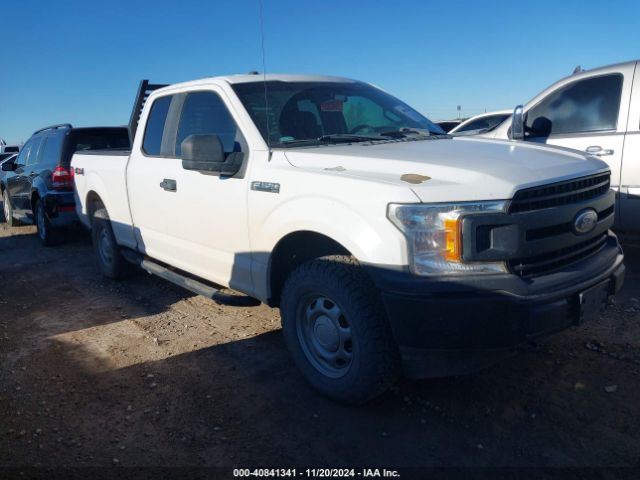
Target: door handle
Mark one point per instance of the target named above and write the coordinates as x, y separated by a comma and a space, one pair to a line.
33, 174
169, 185
598, 151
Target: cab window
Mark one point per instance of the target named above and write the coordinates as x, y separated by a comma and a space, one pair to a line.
154, 130
206, 113
588, 105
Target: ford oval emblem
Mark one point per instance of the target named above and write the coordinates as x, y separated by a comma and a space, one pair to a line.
585, 221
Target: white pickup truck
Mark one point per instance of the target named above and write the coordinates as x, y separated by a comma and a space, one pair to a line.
388, 245
596, 111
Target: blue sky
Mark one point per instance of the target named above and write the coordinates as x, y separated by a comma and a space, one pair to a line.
80, 61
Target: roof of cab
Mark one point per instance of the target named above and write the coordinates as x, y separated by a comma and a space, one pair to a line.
249, 78
607, 67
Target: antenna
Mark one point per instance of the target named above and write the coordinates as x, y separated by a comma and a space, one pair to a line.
264, 78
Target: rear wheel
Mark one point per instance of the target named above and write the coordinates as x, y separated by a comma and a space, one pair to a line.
46, 232
8, 210
110, 259
335, 326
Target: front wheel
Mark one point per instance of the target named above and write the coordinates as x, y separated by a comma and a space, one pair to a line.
110, 260
335, 326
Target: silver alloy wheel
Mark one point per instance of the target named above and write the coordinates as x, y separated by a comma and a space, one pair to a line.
105, 246
42, 225
325, 335
7, 212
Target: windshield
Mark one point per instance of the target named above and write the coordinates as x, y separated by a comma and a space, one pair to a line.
329, 112
484, 124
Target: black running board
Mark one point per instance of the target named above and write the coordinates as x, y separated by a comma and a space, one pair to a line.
189, 283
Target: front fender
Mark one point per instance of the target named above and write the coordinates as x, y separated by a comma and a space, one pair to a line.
369, 238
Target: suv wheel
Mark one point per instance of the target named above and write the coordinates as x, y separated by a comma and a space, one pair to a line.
110, 259
8, 210
335, 326
48, 234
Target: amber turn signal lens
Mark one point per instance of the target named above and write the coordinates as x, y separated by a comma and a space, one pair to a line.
452, 240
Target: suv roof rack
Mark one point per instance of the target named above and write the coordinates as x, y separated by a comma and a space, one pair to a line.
144, 90
54, 127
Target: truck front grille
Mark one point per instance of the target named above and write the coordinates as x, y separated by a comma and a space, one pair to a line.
564, 257
538, 235
561, 193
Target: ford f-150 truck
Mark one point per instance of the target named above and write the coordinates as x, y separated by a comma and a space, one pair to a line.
388, 245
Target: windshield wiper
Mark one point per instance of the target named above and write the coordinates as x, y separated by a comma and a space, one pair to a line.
332, 138
293, 143
349, 137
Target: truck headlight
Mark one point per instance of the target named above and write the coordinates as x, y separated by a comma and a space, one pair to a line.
434, 236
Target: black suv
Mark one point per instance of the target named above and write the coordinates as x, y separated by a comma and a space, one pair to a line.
38, 186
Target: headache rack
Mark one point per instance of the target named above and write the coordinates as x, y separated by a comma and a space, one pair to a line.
561, 193
144, 90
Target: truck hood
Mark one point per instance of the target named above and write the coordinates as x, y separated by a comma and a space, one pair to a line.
458, 169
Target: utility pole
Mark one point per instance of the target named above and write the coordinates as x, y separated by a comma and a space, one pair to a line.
459, 110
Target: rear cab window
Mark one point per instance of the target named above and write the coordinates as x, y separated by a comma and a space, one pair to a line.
154, 129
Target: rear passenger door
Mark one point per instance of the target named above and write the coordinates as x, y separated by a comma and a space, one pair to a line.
148, 165
588, 114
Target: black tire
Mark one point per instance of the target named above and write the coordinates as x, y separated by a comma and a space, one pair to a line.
110, 260
47, 234
7, 210
365, 362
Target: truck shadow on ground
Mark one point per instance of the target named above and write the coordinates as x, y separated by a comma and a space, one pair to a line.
243, 403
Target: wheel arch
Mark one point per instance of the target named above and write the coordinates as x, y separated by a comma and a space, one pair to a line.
35, 196
93, 201
291, 251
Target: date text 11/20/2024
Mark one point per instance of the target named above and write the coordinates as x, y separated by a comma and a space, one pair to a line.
316, 472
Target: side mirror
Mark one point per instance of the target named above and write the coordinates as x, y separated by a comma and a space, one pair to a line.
9, 166
205, 153
517, 123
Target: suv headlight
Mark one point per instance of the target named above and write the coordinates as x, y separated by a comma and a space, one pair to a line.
434, 236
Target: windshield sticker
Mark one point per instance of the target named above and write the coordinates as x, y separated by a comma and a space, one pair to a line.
409, 112
332, 106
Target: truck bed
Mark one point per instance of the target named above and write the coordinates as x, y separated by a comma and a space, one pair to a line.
106, 167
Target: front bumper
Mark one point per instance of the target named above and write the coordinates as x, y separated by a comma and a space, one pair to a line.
449, 326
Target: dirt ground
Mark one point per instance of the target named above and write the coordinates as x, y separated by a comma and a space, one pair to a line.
140, 372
